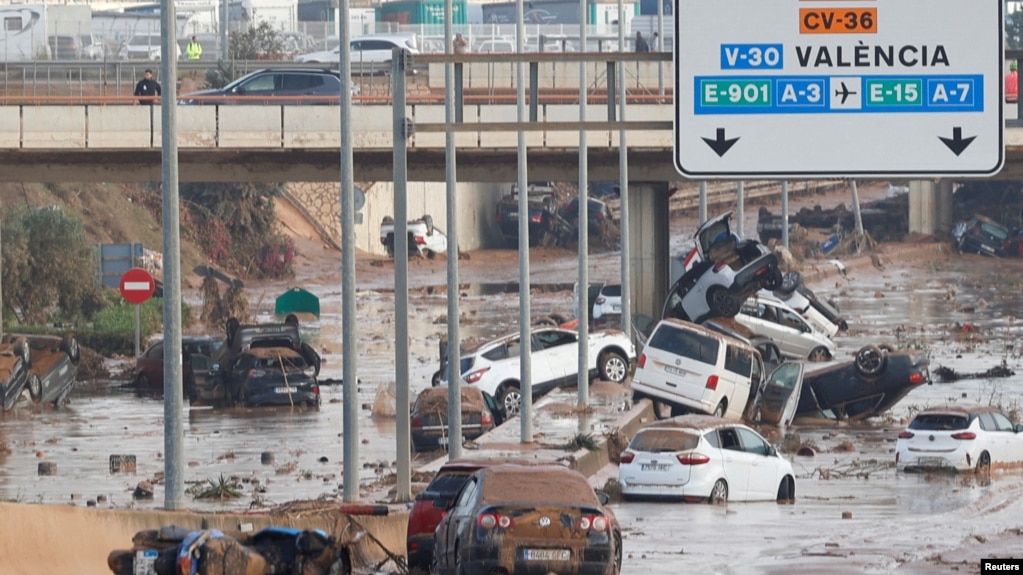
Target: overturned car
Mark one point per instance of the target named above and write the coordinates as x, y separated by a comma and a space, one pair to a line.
43, 366
721, 272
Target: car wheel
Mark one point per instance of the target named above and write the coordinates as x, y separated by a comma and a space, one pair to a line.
616, 567
887, 347
984, 464
719, 411
819, 353
511, 398
560, 318
719, 493
722, 302
435, 380
35, 388
613, 367
774, 280
22, 350
870, 360
789, 283
787, 490
69, 345
142, 381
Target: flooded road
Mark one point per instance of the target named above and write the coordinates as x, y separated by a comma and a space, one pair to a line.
961, 309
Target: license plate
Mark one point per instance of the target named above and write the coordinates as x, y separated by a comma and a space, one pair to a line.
674, 370
286, 389
145, 560
931, 461
548, 554
442, 440
654, 467
616, 308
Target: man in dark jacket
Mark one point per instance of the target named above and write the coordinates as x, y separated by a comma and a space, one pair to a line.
641, 45
147, 89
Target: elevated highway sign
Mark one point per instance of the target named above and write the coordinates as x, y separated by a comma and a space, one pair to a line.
803, 88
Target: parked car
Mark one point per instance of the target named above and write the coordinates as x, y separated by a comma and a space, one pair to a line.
424, 239
982, 235
687, 368
722, 271
145, 46
960, 438
75, 47
201, 351
603, 300
53, 367
767, 316
276, 86
498, 45
429, 420
372, 53
528, 519
431, 506
878, 378
696, 458
494, 366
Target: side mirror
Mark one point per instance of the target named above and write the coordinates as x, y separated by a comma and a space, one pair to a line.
772, 451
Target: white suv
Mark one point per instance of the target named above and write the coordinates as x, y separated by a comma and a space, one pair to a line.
145, 47
367, 52
494, 366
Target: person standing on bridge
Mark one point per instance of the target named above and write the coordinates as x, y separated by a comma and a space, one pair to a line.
193, 51
641, 45
148, 89
459, 44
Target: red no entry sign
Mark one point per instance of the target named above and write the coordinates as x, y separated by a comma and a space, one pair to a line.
137, 285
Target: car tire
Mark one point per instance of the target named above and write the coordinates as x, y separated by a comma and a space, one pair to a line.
722, 302
720, 410
142, 381
23, 350
774, 280
787, 490
69, 345
311, 357
984, 464
435, 380
613, 367
35, 388
887, 347
789, 283
510, 398
819, 353
870, 360
718, 493
560, 318
616, 566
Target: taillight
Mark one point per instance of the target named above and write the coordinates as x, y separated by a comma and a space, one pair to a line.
907, 435
476, 375
692, 458
492, 520
601, 300
420, 240
642, 360
626, 457
593, 523
761, 271
719, 265
712, 382
487, 419
536, 218
916, 378
316, 390
964, 435
416, 422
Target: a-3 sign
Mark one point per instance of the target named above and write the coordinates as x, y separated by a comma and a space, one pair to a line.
137, 285
797, 88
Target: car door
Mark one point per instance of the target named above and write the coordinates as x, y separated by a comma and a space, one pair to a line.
780, 397
735, 463
260, 85
456, 524
791, 329
1007, 439
555, 358
763, 469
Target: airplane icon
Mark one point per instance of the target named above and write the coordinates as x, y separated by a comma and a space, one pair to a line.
844, 93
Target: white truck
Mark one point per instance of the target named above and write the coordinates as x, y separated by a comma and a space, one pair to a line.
424, 239
23, 34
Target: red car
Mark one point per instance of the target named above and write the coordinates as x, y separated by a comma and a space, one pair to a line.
203, 351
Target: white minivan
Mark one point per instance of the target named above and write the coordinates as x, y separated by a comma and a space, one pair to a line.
690, 368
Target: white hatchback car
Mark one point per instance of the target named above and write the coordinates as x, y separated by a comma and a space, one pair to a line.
767, 316
494, 366
960, 438
374, 51
698, 458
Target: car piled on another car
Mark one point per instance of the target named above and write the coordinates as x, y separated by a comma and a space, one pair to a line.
43, 366
697, 458
722, 271
767, 316
494, 366
528, 519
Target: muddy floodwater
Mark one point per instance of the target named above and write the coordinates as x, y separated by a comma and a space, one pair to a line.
853, 513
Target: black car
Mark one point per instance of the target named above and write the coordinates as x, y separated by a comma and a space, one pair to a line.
480, 414
274, 86
546, 226
878, 378
982, 235
597, 211
270, 376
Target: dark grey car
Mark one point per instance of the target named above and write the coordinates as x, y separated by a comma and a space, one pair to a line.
274, 86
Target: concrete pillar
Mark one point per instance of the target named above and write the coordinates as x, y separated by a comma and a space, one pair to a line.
923, 215
648, 247
946, 190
